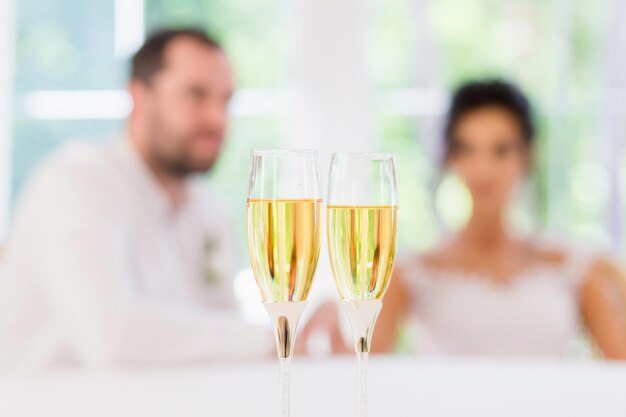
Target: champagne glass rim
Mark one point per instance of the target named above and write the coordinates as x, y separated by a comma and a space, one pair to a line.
364, 155
284, 151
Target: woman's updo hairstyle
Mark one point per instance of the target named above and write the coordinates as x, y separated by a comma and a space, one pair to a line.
476, 95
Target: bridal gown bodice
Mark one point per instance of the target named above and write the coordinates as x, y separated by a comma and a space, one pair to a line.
534, 313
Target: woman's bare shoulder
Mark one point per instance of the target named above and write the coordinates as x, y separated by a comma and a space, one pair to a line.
602, 267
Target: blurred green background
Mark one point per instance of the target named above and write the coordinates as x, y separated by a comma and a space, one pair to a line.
565, 54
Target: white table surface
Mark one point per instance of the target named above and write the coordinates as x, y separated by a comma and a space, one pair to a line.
397, 387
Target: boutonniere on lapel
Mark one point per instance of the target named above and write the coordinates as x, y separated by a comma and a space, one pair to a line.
211, 270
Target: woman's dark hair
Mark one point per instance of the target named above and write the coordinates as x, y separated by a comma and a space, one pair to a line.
476, 95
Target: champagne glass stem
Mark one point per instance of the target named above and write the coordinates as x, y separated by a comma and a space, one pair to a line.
362, 359
285, 317
285, 376
362, 315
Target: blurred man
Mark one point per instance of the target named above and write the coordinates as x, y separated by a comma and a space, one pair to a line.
118, 255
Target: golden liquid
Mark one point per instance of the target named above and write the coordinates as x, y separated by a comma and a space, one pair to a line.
284, 242
362, 246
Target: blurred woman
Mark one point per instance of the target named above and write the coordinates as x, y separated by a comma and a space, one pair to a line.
484, 290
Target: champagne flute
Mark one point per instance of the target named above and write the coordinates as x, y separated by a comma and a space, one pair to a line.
362, 224
284, 234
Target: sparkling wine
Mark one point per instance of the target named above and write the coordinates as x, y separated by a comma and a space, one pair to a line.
362, 246
284, 241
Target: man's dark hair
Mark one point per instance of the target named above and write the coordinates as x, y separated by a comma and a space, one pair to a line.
149, 59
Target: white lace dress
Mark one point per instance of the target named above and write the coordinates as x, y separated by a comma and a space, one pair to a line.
533, 314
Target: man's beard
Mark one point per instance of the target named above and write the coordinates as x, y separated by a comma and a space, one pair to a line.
177, 167
174, 157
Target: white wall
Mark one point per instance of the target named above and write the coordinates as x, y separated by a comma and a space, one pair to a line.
331, 81
7, 51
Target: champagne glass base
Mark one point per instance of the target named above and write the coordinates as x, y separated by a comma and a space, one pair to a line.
362, 315
285, 317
